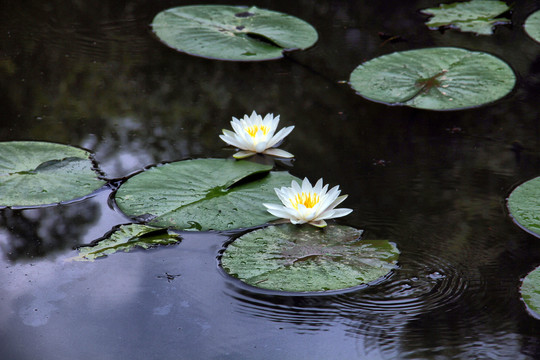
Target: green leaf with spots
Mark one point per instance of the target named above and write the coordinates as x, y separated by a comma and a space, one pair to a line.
443, 78
532, 25
232, 32
40, 173
203, 194
477, 16
303, 258
524, 206
530, 292
125, 238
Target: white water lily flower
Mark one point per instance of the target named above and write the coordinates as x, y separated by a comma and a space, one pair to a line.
308, 204
253, 134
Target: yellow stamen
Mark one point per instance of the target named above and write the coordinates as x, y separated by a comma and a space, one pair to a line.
252, 130
309, 200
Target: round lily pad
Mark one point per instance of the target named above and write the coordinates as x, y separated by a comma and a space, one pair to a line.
232, 32
532, 25
36, 173
202, 194
524, 206
443, 78
530, 292
302, 258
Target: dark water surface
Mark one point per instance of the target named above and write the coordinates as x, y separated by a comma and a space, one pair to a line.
434, 183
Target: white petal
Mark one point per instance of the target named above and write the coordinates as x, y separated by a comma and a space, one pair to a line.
232, 141
318, 223
297, 221
335, 213
278, 153
243, 154
296, 187
338, 201
279, 213
281, 134
306, 185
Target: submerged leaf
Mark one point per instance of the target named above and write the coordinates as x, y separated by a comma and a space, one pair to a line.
524, 206
232, 32
478, 16
125, 238
530, 292
303, 258
443, 78
39, 173
202, 194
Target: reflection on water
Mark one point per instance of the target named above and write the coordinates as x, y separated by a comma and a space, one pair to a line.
434, 183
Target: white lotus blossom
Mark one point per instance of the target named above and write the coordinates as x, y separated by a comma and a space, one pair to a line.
253, 134
308, 204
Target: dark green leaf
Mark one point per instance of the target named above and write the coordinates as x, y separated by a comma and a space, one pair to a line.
524, 206
202, 194
442, 78
232, 32
530, 292
302, 258
40, 173
125, 238
478, 16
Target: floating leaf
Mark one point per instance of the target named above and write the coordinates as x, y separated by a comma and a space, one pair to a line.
478, 16
524, 206
304, 258
443, 78
530, 292
532, 25
232, 32
202, 194
38, 173
125, 238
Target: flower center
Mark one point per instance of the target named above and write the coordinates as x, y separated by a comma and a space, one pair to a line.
309, 200
252, 130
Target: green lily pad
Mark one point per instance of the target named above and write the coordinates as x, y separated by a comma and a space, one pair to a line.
303, 258
477, 16
202, 194
530, 292
524, 206
232, 32
443, 78
532, 25
40, 173
125, 238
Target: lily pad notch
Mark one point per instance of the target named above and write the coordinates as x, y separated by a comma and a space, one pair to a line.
440, 78
234, 33
306, 260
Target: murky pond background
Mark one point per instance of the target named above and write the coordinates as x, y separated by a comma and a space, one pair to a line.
93, 75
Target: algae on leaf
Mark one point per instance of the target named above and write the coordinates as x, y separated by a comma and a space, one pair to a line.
232, 32
302, 258
477, 16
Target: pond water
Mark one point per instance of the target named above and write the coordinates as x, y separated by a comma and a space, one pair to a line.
433, 183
